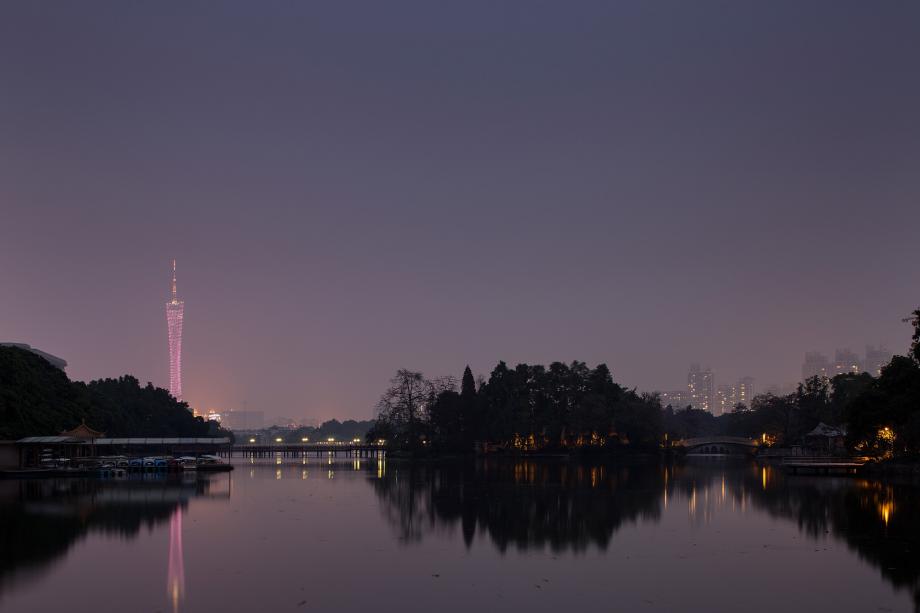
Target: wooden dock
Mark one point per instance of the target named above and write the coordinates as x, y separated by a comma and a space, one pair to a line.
46, 473
822, 466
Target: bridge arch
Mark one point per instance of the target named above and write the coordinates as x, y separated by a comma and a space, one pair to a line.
719, 446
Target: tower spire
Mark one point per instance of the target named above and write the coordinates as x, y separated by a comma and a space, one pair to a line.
174, 298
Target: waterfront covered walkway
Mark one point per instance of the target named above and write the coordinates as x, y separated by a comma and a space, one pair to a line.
33, 448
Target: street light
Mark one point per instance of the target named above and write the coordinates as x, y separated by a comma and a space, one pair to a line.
304, 440
278, 440
252, 440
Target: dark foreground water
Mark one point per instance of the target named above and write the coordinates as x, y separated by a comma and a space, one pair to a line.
498, 535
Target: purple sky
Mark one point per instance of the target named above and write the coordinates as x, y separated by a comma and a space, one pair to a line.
354, 187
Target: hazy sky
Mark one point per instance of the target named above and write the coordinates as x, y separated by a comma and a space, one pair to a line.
354, 187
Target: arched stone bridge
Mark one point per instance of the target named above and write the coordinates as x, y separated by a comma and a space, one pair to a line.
719, 446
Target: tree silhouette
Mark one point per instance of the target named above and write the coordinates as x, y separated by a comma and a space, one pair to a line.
38, 399
467, 385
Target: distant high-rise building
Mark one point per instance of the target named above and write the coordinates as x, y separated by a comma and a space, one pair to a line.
243, 420
846, 362
816, 365
876, 359
677, 399
55, 361
175, 309
726, 399
744, 391
701, 386
784, 389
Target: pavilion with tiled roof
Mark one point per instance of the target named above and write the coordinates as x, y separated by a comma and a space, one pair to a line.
83, 432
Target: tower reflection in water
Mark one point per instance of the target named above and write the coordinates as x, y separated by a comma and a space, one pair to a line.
175, 574
501, 504
42, 519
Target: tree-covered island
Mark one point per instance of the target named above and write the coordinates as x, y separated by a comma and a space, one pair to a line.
572, 407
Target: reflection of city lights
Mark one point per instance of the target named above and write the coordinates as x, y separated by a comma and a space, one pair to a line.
666, 487
763, 476
885, 509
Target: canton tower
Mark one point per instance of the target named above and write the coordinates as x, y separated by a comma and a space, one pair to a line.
174, 311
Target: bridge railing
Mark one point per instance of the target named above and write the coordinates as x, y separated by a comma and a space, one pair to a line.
716, 440
823, 460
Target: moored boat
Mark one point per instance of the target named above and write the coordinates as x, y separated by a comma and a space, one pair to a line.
212, 463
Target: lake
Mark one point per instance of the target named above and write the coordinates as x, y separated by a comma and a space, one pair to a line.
531, 535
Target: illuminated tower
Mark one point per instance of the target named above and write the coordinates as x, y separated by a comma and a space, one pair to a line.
174, 311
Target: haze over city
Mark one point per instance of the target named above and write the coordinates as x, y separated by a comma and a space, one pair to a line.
459, 306
351, 192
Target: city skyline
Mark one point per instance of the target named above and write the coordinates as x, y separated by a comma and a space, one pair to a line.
613, 182
493, 305
712, 398
705, 392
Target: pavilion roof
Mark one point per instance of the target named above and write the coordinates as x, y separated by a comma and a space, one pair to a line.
83, 431
822, 429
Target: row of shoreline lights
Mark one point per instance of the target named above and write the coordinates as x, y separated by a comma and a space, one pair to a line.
329, 441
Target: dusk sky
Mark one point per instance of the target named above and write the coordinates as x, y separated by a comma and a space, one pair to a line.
350, 188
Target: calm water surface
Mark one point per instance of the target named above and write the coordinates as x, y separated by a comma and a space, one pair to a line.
343, 535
